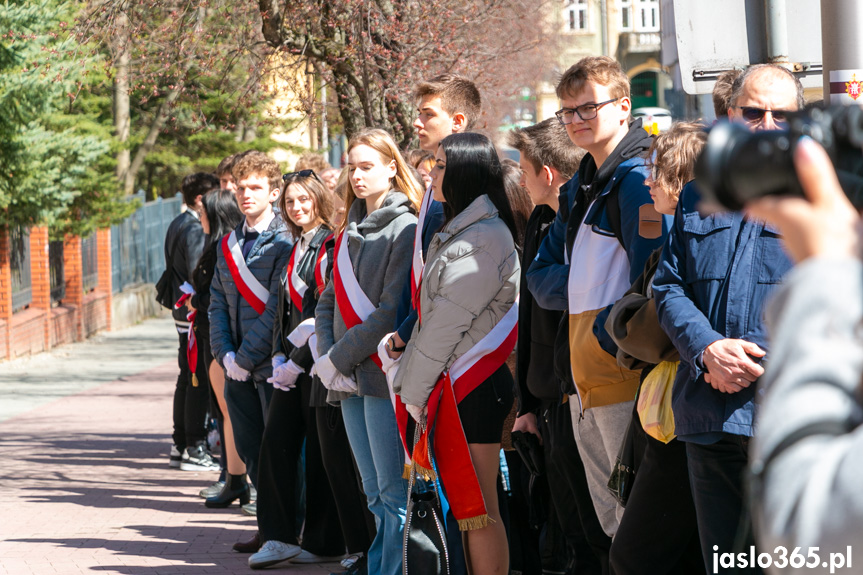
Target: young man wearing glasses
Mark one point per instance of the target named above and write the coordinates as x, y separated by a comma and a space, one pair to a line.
711, 286
605, 228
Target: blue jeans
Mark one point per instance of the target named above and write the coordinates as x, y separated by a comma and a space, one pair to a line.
374, 437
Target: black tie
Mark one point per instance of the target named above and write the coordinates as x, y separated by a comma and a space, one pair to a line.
248, 241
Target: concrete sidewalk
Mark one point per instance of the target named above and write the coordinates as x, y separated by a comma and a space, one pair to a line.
85, 485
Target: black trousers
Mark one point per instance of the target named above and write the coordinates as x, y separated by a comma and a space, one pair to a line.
290, 420
248, 402
716, 478
569, 493
191, 401
658, 534
357, 522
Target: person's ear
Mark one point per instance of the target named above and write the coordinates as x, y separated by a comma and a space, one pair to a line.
548, 175
393, 169
459, 122
626, 105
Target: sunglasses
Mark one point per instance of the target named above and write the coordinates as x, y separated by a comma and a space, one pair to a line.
753, 115
301, 174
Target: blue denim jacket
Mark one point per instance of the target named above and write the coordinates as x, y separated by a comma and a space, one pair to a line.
714, 279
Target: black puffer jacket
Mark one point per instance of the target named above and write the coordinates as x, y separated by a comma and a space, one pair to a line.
184, 242
537, 327
201, 279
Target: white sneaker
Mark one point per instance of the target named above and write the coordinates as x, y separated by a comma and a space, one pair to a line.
308, 557
273, 552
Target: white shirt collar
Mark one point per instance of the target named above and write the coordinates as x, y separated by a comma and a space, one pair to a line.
262, 226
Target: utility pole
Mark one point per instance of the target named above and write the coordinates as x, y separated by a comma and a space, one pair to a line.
842, 49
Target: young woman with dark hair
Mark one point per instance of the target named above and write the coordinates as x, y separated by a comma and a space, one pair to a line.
219, 215
466, 330
519, 200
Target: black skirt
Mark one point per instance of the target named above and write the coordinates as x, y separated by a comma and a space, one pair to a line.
484, 410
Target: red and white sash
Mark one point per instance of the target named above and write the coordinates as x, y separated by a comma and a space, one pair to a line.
296, 286
192, 341
448, 441
417, 262
250, 288
321, 264
355, 306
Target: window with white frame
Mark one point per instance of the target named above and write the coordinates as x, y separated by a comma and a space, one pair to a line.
647, 15
625, 15
575, 15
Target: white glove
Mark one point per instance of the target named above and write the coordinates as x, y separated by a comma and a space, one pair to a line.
344, 384
332, 378
313, 346
285, 375
302, 333
232, 370
279, 359
389, 365
418, 413
187, 288
326, 370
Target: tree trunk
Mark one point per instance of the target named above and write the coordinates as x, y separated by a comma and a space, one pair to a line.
122, 116
160, 117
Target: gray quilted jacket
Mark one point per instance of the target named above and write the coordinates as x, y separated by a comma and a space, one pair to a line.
470, 281
269, 256
380, 248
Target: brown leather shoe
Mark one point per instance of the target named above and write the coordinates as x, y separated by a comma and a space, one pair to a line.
253, 545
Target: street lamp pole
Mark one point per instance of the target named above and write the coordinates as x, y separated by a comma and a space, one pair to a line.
841, 41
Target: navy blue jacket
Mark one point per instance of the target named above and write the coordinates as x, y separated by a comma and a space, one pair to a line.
713, 281
548, 275
228, 310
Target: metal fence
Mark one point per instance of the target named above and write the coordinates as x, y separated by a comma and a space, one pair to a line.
56, 272
89, 263
137, 244
19, 262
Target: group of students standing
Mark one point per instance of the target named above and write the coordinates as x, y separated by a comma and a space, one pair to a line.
325, 336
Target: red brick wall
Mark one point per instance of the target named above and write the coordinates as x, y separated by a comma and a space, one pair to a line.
28, 332
73, 274
95, 312
41, 280
40, 327
103, 259
5, 291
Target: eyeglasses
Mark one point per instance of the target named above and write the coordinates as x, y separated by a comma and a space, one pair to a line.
300, 174
585, 111
755, 115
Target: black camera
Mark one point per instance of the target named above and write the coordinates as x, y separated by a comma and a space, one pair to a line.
738, 166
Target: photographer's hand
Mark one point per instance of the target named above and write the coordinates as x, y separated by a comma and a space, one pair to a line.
823, 224
729, 366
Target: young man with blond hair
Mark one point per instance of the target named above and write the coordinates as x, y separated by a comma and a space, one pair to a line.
244, 296
605, 228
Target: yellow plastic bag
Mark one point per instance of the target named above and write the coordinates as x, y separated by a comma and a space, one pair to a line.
654, 402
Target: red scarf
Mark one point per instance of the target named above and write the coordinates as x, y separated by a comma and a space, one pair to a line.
448, 442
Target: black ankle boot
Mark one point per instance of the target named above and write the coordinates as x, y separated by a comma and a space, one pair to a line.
236, 487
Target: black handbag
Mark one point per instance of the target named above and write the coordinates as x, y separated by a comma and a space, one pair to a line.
623, 472
425, 545
163, 290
